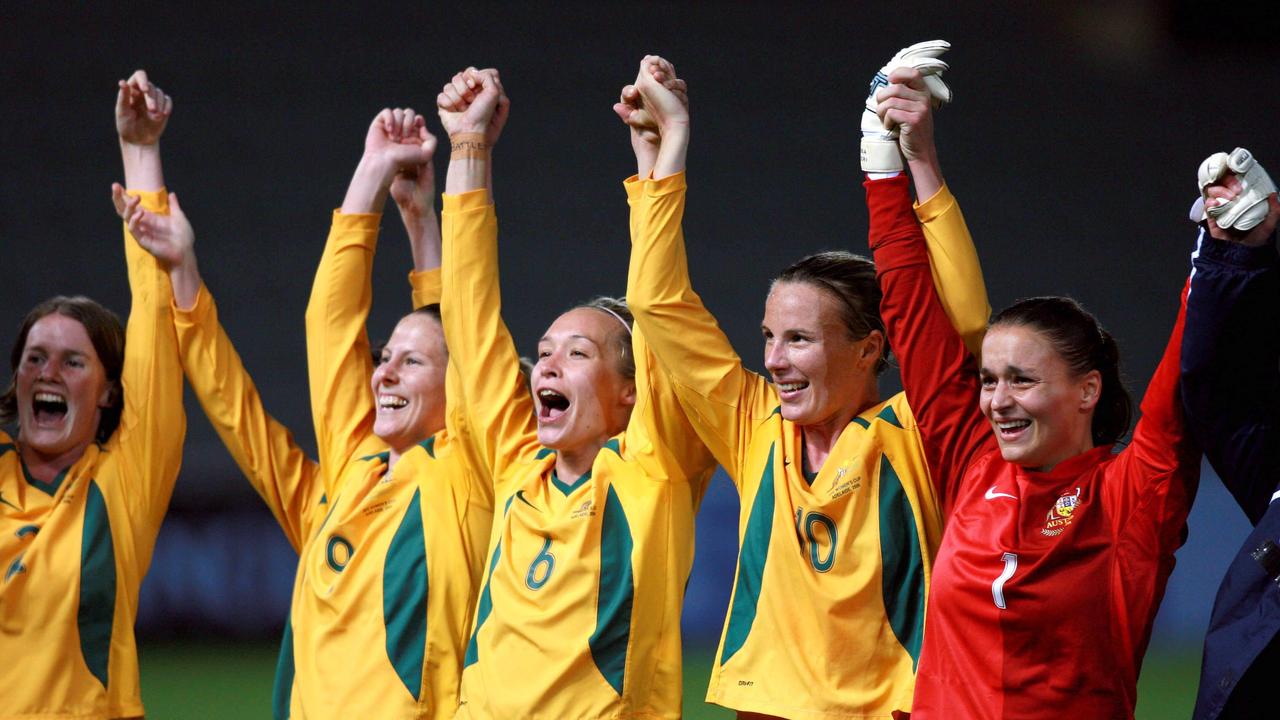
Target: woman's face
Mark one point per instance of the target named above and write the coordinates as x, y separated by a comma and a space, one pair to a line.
1040, 412
408, 385
62, 388
581, 397
820, 373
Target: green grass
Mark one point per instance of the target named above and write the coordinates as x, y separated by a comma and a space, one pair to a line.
1167, 688
198, 680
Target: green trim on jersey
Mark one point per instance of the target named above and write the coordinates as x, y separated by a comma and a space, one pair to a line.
751, 560
404, 598
568, 488
282, 688
430, 446
612, 636
485, 605
902, 577
888, 415
15, 567
48, 488
97, 584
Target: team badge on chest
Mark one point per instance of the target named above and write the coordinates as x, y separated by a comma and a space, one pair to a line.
1062, 513
844, 482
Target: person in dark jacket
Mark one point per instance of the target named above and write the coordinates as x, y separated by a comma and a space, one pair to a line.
1231, 392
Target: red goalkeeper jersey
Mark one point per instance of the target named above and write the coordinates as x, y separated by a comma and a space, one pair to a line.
1046, 583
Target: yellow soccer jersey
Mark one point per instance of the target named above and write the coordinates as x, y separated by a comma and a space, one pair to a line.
827, 612
286, 479
388, 574
579, 616
74, 551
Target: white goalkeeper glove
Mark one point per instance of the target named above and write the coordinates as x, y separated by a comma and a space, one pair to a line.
1249, 207
880, 144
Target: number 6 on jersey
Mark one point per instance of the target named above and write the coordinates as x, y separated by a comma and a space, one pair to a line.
541, 568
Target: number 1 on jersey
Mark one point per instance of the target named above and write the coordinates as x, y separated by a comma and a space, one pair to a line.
997, 587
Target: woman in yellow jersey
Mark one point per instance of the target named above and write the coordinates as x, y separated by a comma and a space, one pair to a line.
85, 481
390, 566
579, 616
408, 515
839, 521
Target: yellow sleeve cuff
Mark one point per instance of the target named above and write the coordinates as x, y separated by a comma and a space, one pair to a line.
463, 202
667, 185
157, 201
197, 313
634, 187
934, 207
356, 221
426, 286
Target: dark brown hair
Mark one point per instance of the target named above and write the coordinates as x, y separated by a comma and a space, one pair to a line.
1085, 346
851, 279
105, 332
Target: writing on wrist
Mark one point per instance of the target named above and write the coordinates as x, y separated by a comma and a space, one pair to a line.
465, 145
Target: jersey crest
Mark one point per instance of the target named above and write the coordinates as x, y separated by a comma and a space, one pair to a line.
1061, 514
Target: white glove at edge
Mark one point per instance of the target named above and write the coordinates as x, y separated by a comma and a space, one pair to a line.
1245, 210
879, 149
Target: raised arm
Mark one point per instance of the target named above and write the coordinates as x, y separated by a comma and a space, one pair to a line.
938, 373
658, 424
152, 422
721, 398
473, 110
1231, 353
339, 363
898, 123
278, 469
414, 190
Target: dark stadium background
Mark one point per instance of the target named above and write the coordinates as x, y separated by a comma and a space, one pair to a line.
1072, 145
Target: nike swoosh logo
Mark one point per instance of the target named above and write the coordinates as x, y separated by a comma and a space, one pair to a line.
992, 494
520, 496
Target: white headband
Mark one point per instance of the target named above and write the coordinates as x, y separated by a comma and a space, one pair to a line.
615, 315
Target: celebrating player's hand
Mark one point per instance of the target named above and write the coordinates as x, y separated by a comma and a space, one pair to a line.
414, 186
663, 96
474, 102
142, 110
631, 109
1222, 192
905, 104
169, 238
398, 137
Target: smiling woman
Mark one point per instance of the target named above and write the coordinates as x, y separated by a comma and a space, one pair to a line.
66, 364
839, 519
1045, 520
1051, 382
598, 480
85, 483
